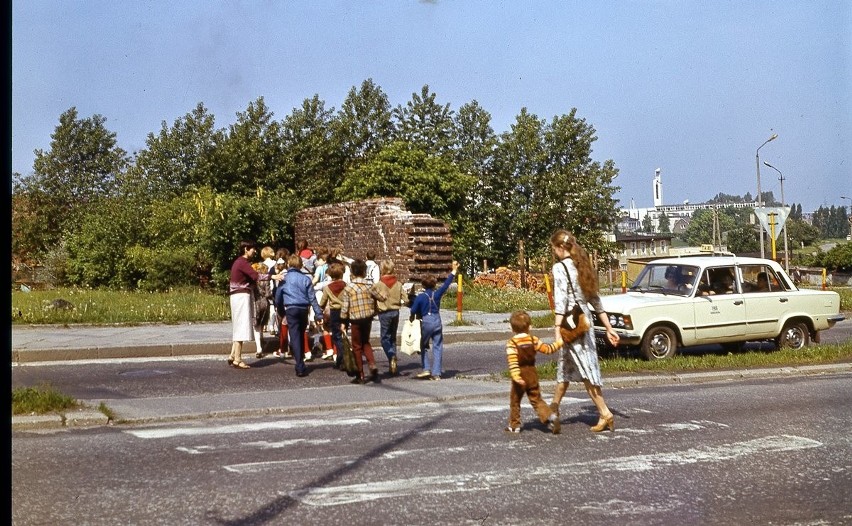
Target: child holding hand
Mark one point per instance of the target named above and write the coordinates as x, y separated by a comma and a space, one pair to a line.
520, 353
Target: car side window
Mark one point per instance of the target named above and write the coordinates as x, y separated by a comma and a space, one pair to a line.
717, 281
761, 278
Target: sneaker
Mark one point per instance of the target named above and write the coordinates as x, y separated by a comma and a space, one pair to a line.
258, 355
510, 429
329, 355
434, 377
554, 408
555, 426
288, 355
278, 354
393, 367
424, 375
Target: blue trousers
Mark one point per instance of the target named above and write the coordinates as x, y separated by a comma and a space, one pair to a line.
388, 325
297, 324
431, 330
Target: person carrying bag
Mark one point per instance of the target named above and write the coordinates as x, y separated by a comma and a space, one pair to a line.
410, 337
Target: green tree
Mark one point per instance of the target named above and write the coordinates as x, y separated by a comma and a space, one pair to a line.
427, 184
742, 239
426, 124
179, 158
545, 179
81, 167
839, 258
474, 154
647, 224
313, 155
576, 193
97, 245
33, 228
364, 123
700, 229
663, 224
250, 155
800, 232
519, 160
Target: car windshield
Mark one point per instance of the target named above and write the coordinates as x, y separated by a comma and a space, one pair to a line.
676, 279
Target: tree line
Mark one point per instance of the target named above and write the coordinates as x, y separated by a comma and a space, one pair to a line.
171, 214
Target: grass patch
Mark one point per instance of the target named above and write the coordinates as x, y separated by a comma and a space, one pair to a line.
490, 299
40, 400
845, 297
461, 323
685, 363
102, 407
543, 322
105, 307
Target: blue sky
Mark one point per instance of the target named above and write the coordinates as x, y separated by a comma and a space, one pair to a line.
692, 88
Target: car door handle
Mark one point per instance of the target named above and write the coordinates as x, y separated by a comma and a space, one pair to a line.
738, 302
783, 300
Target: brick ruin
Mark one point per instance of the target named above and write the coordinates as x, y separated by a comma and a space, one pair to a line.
418, 244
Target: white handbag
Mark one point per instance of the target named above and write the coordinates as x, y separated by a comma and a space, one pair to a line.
410, 337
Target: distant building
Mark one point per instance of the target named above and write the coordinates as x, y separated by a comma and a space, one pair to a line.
680, 225
638, 245
632, 218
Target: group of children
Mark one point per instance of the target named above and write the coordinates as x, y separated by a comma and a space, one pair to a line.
346, 294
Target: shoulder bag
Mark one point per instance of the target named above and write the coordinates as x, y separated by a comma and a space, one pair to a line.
574, 323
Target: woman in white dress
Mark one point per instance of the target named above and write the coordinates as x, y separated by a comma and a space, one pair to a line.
576, 282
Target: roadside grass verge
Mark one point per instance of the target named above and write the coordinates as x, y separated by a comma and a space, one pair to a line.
708, 361
106, 307
40, 400
493, 300
845, 297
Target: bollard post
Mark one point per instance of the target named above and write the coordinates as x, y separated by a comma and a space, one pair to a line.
824, 286
459, 300
623, 281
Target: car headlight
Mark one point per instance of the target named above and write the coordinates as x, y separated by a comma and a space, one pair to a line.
621, 321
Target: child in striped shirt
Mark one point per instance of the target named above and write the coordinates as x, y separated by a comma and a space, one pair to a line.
520, 353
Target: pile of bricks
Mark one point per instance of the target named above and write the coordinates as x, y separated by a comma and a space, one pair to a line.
504, 277
418, 244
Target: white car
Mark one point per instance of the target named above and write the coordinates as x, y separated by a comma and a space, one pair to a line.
680, 302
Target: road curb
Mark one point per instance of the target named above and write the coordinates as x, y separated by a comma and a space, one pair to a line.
213, 348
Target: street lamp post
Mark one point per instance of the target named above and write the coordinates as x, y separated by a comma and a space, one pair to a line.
759, 198
850, 214
786, 253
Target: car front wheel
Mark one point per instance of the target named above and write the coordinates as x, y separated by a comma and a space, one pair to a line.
794, 336
659, 343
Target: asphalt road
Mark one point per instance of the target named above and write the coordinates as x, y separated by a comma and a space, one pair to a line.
759, 452
188, 376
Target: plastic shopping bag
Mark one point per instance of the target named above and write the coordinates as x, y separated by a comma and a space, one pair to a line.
410, 337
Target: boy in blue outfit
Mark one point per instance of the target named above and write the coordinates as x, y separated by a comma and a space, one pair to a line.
426, 307
294, 296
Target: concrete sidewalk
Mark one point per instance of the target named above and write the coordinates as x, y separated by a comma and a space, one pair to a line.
60, 343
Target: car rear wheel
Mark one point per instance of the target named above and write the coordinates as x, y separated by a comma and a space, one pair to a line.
659, 343
794, 336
